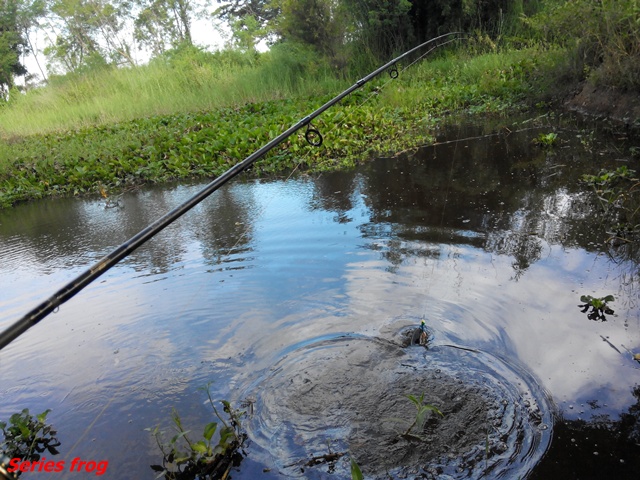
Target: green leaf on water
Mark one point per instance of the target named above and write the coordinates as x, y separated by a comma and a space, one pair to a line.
356, 473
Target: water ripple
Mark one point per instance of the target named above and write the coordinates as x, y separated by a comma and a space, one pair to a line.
349, 393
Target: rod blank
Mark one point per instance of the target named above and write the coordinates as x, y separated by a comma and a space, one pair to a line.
76, 285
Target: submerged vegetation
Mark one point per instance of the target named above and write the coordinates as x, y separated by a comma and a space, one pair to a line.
617, 195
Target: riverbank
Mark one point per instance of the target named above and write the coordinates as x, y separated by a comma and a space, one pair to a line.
384, 117
615, 105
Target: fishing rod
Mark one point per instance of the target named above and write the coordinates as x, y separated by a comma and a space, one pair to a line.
312, 136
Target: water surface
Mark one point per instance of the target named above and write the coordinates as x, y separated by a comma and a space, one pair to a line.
284, 291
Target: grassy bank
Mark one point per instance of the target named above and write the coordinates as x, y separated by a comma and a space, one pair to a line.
193, 113
384, 117
185, 81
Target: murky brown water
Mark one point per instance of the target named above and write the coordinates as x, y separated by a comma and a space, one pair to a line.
297, 295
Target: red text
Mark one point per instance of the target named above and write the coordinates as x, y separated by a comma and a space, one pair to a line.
77, 465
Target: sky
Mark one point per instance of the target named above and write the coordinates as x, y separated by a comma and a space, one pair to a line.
203, 32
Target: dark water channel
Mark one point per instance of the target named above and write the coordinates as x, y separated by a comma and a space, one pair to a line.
297, 297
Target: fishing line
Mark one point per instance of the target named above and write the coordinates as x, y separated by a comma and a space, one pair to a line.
88, 429
446, 196
393, 75
183, 310
310, 131
482, 137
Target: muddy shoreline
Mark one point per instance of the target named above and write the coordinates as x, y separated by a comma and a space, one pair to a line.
621, 108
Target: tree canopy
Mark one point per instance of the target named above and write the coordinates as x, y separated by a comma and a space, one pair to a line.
12, 45
86, 34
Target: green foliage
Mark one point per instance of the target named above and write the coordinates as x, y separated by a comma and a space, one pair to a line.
88, 34
208, 458
547, 140
245, 33
610, 178
183, 80
488, 83
423, 411
26, 436
315, 23
384, 28
617, 191
599, 306
603, 36
263, 10
372, 121
356, 473
12, 46
612, 187
164, 24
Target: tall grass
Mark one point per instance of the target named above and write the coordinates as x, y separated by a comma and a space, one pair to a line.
489, 82
602, 36
190, 81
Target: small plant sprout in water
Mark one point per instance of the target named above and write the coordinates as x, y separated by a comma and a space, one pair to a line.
27, 436
184, 458
599, 307
423, 411
546, 140
111, 201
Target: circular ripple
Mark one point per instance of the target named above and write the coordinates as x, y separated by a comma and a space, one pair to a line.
349, 394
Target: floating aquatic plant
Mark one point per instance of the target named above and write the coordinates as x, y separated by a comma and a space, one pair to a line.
599, 307
546, 140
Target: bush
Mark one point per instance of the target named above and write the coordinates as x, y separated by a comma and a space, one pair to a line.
603, 35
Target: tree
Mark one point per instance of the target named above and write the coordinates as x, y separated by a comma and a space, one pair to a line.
245, 33
88, 32
12, 46
250, 20
386, 27
29, 16
312, 22
164, 24
74, 45
383, 26
264, 11
436, 17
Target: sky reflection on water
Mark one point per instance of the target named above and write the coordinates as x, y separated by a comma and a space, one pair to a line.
490, 241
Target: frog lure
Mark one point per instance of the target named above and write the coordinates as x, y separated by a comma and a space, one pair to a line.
420, 335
